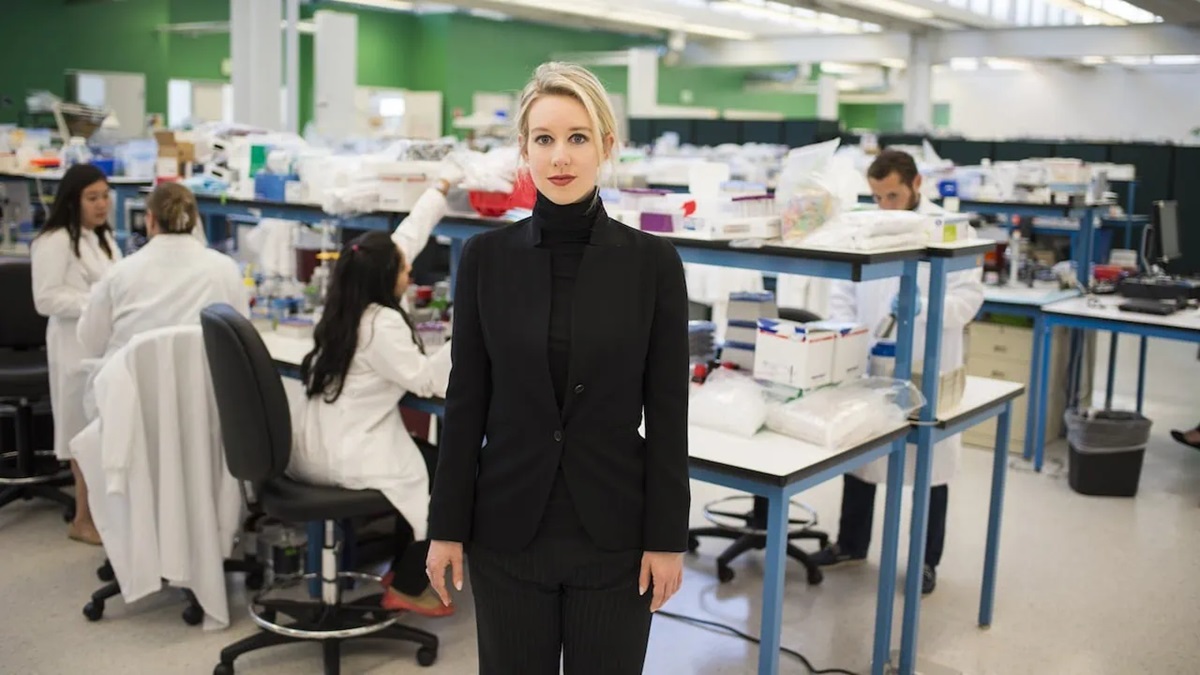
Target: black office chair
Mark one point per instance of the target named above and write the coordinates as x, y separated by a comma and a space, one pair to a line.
256, 429
26, 472
750, 532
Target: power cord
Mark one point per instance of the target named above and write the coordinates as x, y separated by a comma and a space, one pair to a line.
750, 638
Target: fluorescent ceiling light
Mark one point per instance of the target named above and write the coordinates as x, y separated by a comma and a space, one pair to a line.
637, 18
1177, 60
490, 14
396, 5
894, 7
1088, 12
1007, 64
964, 64
777, 12
1093, 60
836, 68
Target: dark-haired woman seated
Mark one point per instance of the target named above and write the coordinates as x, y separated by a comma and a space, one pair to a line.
367, 356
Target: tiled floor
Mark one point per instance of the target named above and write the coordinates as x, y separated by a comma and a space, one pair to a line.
1087, 586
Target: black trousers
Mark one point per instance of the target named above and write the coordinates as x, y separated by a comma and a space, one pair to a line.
560, 600
858, 515
408, 563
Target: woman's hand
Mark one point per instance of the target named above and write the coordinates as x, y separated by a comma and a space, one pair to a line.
665, 572
444, 554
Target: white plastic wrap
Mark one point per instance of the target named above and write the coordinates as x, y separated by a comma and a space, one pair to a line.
836, 418
495, 171
805, 200
872, 231
729, 402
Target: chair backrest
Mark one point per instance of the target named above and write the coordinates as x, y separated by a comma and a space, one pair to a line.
256, 424
21, 327
798, 315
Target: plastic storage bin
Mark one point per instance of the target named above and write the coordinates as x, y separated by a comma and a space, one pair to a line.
1106, 451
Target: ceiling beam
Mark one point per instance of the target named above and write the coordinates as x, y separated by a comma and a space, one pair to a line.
1172, 11
1063, 42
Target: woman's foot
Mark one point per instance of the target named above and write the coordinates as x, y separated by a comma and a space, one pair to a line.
1191, 437
84, 532
425, 604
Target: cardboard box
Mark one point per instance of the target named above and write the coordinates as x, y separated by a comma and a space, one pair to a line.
851, 349
174, 154
793, 354
948, 228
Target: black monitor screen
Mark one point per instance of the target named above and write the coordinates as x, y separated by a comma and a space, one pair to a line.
1167, 225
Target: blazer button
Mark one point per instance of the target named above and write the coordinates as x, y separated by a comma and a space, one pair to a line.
579, 389
558, 437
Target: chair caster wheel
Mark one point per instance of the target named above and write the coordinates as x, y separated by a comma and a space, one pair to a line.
254, 581
693, 544
105, 573
68, 515
725, 574
223, 669
94, 611
815, 577
425, 657
193, 615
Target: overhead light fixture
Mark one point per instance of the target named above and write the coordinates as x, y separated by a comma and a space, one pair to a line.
964, 64
1088, 12
1176, 60
635, 17
490, 14
893, 7
1093, 60
394, 5
1007, 64
778, 12
836, 68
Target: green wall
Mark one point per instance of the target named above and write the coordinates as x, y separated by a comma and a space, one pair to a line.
886, 117
455, 53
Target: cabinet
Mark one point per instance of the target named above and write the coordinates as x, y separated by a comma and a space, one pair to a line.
1005, 352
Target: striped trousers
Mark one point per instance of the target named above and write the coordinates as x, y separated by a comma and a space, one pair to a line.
560, 601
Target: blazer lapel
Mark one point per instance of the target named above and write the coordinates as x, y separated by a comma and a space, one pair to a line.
601, 273
529, 282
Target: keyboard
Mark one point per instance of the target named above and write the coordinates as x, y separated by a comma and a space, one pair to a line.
1143, 306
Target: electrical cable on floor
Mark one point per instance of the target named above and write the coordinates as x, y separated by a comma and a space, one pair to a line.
730, 629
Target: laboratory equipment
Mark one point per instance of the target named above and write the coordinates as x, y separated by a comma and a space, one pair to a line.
1149, 306
1165, 226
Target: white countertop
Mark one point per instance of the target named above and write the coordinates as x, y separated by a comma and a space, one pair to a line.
1186, 319
766, 452
56, 174
286, 349
980, 393
1023, 295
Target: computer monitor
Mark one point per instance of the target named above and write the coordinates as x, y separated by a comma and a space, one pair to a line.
1165, 220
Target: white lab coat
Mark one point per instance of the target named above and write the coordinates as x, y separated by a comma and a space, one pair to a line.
360, 441
803, 292
166, 283
61, 283
162, 497
870, 302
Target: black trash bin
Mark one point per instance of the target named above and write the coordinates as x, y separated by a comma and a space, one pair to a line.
1106, 451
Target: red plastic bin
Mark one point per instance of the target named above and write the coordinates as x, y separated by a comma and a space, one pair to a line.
496, 204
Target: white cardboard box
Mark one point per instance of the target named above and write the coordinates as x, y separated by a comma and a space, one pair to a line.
851, 349
793, 354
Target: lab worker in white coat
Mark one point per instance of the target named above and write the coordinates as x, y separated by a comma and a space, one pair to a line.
367, 357
72, 253
896, 185
166, 283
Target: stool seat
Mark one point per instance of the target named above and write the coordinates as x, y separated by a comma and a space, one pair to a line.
24, 374
293, 501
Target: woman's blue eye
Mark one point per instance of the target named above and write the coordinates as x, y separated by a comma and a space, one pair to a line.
542, 140
579, 139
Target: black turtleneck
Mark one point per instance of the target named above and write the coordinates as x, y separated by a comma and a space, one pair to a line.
565, 231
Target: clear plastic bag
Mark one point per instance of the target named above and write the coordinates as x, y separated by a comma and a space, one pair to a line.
728, 402
805, 201
836, 418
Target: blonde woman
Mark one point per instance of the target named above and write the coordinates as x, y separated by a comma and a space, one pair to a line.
568, 328
73, 251
166, 283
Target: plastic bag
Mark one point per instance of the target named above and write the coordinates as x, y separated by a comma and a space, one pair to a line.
837, 418
805, 200
729, 402
872, 231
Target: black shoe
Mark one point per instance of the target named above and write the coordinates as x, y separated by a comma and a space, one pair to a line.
928, 580
832, 556
1179, 437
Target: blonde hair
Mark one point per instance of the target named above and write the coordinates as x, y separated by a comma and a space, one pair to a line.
174, 207
568, 79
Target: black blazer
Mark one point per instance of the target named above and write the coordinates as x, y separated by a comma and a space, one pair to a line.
505, 435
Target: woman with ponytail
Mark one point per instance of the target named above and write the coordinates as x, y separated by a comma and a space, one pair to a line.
367, 356
166, 283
